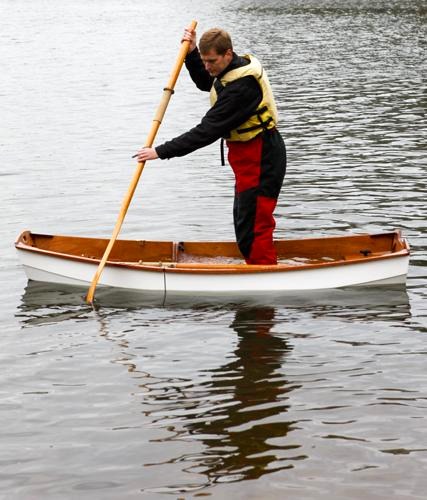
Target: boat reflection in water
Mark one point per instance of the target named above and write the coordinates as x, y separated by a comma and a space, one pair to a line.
54, 302
221, 423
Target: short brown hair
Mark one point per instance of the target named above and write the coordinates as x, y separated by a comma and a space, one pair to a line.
217, 39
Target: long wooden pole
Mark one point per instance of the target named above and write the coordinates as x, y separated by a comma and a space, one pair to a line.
157, 120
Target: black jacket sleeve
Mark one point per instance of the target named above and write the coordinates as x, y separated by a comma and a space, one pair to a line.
236, 103
198, 73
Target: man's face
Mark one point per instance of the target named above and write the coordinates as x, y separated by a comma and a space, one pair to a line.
216, 63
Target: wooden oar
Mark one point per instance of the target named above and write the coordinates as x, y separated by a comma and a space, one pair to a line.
157, 120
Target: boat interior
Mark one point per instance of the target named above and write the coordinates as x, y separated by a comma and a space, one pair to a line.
290, 252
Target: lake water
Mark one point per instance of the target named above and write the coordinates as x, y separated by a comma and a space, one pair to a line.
308, 396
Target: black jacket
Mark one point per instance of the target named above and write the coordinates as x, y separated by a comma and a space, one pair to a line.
237, 101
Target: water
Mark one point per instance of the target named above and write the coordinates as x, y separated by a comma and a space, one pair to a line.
308, 396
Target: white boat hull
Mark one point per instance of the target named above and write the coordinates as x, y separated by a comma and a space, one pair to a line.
39, 267
51, 269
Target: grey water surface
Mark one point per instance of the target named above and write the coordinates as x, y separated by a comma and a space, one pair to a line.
304, 396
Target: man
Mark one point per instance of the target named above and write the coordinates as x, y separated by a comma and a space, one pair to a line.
244, 113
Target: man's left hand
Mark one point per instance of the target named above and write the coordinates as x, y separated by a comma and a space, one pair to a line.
146, 154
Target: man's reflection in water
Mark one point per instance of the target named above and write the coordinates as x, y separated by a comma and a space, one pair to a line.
244, 434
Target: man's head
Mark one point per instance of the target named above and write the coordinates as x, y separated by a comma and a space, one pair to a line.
216, 50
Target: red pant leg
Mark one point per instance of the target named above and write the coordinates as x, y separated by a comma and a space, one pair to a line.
262, 250
259, 167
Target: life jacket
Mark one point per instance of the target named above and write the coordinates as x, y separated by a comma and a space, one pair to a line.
265, 116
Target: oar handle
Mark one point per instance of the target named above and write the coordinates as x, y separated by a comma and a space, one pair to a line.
158, 117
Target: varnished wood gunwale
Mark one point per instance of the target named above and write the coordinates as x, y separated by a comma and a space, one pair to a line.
164, 256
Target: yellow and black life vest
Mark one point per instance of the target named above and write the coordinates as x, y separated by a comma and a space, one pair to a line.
265, 117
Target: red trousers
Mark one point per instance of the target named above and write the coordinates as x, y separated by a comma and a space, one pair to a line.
259, 167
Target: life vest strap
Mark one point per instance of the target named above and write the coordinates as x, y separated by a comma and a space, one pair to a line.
222, 152
262, 124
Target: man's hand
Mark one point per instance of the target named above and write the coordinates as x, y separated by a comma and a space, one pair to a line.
190, 36
146, 154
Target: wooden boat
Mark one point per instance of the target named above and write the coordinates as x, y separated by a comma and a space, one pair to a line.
217, 267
